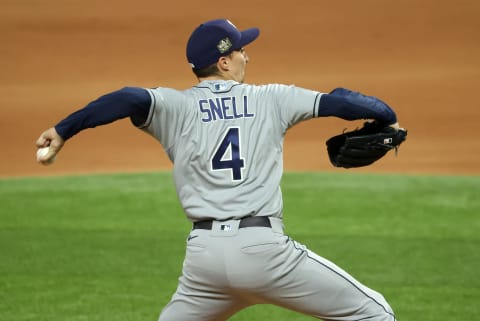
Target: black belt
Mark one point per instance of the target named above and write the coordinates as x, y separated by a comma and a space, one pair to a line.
250, 221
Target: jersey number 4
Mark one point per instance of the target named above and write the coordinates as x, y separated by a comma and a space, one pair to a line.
228, 156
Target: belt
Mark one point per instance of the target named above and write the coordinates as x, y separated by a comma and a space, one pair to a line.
251, 221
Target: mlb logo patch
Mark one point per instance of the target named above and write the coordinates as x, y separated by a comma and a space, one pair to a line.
219, 87
226, 227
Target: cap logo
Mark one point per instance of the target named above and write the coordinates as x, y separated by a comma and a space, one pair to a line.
224, 45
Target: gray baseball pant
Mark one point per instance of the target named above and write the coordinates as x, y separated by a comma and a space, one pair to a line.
228, 269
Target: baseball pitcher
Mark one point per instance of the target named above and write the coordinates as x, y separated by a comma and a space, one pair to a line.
225, 139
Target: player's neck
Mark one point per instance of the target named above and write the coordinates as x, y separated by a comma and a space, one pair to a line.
214, 78
223, 76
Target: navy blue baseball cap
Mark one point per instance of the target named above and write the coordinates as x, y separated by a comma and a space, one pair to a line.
214, 39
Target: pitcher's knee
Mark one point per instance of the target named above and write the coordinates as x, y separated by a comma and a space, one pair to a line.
385, 313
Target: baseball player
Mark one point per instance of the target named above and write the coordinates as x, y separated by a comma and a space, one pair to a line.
225, 140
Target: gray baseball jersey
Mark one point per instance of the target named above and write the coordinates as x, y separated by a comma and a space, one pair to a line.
225, 140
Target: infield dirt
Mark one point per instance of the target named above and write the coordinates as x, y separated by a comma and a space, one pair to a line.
421, 57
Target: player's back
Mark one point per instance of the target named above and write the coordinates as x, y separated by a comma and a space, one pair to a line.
225, 140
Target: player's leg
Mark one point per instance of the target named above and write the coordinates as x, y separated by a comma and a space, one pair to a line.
189, 305
203, 293
321, 289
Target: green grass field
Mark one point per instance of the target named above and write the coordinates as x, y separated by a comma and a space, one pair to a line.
110, 247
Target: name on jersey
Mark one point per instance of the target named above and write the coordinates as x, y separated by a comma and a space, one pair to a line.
224, 108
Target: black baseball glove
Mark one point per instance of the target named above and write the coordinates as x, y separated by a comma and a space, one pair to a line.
362, 147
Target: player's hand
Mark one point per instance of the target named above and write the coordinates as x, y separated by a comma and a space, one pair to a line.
51, 139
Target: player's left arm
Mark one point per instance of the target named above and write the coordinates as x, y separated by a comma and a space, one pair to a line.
130, 102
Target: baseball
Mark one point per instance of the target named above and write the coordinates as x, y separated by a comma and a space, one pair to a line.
41, 152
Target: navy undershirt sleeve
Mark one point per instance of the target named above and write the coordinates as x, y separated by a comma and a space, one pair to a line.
351, 105
130, 102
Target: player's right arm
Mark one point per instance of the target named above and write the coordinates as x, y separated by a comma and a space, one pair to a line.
352, 105
298, 104
130, 102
